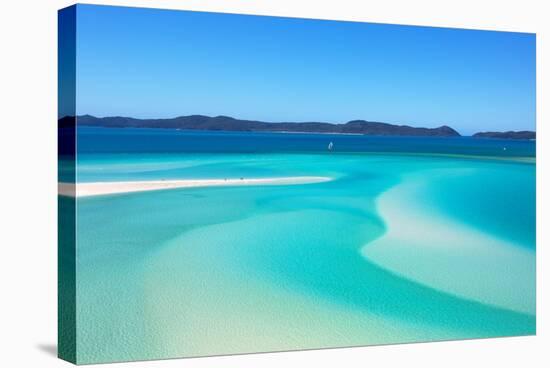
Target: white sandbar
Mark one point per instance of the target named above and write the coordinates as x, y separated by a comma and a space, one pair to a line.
117, 187
432, 248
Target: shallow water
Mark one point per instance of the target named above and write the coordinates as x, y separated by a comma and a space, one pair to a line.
385, 253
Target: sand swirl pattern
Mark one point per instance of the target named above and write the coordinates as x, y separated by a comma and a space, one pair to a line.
392, 249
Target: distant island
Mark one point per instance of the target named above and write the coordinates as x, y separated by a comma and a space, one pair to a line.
226, 123
524, 134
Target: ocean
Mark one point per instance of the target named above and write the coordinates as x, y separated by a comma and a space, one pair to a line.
414, 239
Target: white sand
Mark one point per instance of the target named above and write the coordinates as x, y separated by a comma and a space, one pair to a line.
102, 188
433, 249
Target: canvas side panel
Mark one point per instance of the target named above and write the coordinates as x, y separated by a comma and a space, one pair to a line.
66, 340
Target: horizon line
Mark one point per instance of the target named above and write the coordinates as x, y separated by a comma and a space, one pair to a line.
296, 122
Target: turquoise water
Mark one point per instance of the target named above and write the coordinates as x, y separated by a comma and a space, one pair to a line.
398, 247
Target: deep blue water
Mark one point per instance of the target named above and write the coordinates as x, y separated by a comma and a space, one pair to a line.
108, 140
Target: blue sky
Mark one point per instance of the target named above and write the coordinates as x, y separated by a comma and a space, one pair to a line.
158, 63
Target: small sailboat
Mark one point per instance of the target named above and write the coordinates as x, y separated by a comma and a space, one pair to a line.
330, 146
